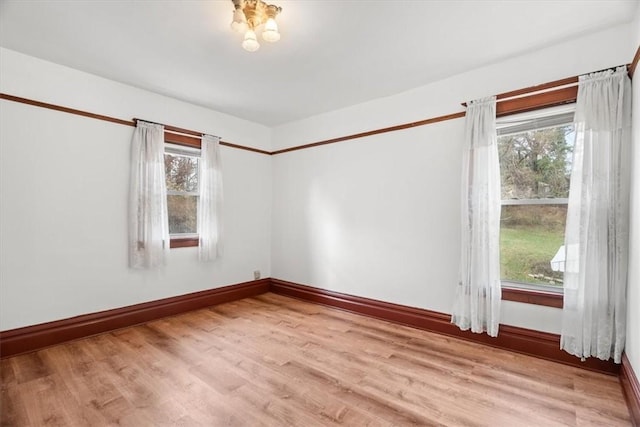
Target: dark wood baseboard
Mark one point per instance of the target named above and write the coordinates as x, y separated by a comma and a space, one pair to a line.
631, 389
534, 343
30, 338
526, 341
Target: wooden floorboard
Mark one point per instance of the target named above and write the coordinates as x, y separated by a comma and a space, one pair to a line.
275, 361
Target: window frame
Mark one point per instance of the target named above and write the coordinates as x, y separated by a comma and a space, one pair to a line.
183, 241
538, 101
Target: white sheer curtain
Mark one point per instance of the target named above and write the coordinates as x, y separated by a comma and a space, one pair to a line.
597, 233
478, 294
210, 201
148, 218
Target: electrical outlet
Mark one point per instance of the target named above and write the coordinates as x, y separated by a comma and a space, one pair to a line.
256, 274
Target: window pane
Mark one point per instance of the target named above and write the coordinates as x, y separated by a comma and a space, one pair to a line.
183, 214
534, 164
530, 237
537, 163
181, 172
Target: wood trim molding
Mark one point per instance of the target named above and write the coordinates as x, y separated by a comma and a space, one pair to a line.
173, 129
537, 101
66, 110
196, 141
189, 141
30, 338
634, 63
373, 132
505, 107
120, 121
530, 92
529, 296
538, 88
243, 147
535, 343
184, 242
631, 389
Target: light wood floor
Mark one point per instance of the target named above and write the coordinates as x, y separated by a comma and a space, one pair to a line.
272, 360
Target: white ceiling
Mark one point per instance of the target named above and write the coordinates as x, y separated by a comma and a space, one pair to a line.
332, 53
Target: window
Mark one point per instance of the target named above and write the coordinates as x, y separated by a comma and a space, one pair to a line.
536, 151
181, 171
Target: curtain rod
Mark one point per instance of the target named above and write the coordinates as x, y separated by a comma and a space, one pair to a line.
174, 129
537, 92
546, 87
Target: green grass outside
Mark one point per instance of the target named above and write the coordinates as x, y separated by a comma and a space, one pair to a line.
528, 250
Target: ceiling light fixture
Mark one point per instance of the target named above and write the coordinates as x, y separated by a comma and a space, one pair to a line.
252, 15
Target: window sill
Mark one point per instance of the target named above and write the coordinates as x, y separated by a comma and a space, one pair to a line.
184, 242
530, 296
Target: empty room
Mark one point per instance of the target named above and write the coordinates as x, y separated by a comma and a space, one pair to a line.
316, 213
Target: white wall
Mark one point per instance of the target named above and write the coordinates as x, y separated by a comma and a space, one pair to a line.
633, 291
64, 189
375, 217
379, 217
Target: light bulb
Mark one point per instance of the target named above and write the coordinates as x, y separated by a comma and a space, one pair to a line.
270, 32
250, 42
239, 22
